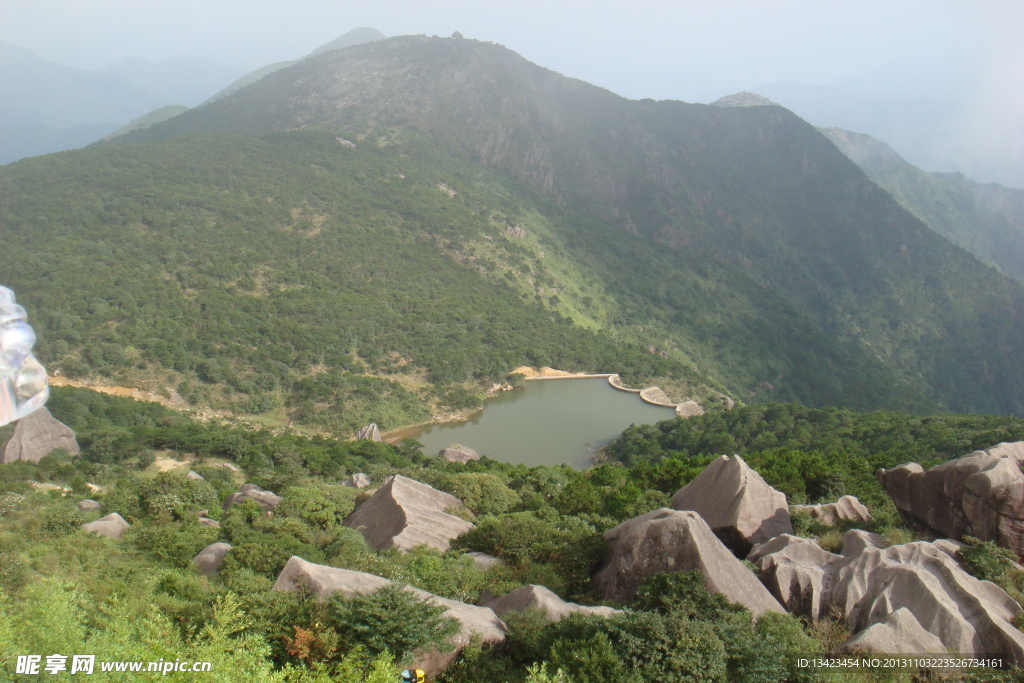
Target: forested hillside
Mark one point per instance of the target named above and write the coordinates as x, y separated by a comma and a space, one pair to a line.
140, 598
385, 230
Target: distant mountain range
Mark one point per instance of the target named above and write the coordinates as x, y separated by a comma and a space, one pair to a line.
975, 138
47, 107
393, 225
986, 219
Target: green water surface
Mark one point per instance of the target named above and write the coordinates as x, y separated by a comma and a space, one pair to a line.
549, 422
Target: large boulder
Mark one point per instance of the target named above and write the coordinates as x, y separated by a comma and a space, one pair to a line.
794, 570
321, 581
370, 432
268, 500
209, 559
969, 616
539, 597
736, 503
898, 633
847, 508
459, 453
980, 495
404, 514
669, 541
111, 526
357, 481
868, 584
89, 505
35, 436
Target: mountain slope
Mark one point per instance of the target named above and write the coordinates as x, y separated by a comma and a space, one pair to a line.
492, 213
986, 219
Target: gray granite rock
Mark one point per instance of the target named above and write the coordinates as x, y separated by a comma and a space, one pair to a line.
268, 500
736, 503
672, 540
980, 495
35, 436
459, 453
209, 559
476, 622
89, 505
404, 514
357, 481
370, 433
847, 508
111, 526
539, 597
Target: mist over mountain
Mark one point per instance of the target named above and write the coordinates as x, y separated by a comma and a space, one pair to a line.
184, 81
371, 229
47, 107
943, 134
985, 218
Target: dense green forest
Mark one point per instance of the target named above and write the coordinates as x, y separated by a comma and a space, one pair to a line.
138, 598
328, 247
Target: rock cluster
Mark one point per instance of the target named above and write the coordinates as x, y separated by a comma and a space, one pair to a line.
111, 526
894, 598
404, 514
35, 436
980, 495
322, 581
539, 597
268, 500
669, 541
736, 503
459, 453
846, 508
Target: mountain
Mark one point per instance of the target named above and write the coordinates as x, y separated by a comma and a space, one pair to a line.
147, 120
986, 219
975, 134
184, 81
46, 107
383, 227
356, 36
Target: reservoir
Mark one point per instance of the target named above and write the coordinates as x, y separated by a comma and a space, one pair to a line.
548, 422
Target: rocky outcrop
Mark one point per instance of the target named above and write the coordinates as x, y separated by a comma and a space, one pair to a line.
322, 581
485, 561
357, 481
969, 616
404, 514
898, 633
111, 526
736, 503
89, 505
194, 476
459, 453
868, 584
370, 433
689, 409
209, 559
268, 500
539, 597
980, 495
847, 508
207, 522
35, 436
668, 541
794, 570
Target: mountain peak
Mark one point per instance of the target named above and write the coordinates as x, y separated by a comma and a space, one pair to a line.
356, 36
744, 99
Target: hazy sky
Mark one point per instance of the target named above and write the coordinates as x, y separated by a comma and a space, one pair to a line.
695, 51
967, 50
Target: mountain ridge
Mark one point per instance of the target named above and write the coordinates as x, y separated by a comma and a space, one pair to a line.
737, 244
